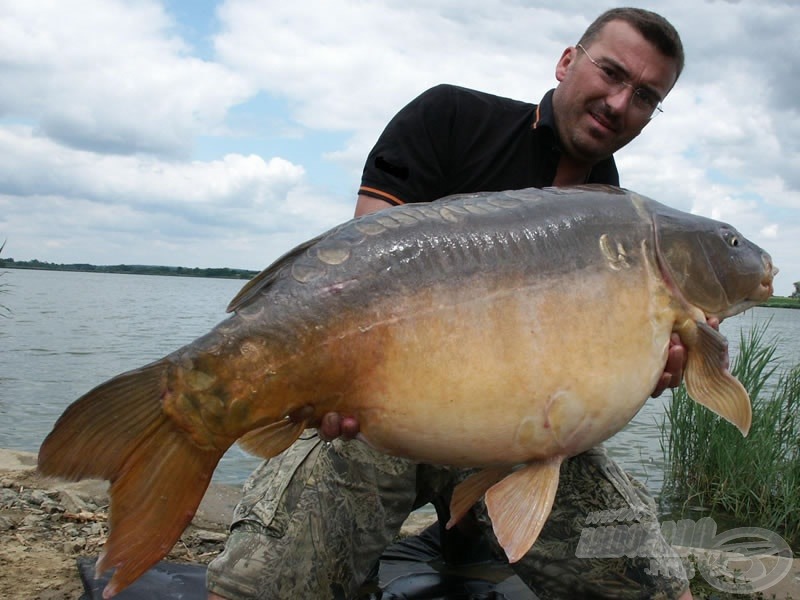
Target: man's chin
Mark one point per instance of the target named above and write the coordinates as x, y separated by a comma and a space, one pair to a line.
593, 151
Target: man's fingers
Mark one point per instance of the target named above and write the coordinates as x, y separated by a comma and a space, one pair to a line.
673, 369
662, 384
350, 427
330, 428
334, 425
676, 361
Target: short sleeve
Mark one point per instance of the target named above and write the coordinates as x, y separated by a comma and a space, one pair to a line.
409, 161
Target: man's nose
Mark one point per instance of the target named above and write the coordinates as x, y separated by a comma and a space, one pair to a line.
620, 99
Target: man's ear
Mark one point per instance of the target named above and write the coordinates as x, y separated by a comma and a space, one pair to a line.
567, 58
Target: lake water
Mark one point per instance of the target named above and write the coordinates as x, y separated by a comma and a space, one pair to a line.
67, 332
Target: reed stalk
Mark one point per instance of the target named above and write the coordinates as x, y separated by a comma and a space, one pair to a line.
754, 480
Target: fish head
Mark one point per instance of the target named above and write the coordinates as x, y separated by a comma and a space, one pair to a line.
710, 265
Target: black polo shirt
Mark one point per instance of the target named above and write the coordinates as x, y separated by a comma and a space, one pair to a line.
453, 140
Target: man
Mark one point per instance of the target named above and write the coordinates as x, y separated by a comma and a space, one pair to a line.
313, 521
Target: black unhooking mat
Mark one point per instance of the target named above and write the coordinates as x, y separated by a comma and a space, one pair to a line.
411, 569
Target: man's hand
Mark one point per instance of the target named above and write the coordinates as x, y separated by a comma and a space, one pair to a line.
673, 370
676, 362
331, 426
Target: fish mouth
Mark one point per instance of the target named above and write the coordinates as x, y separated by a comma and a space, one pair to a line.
765, 288
762, 292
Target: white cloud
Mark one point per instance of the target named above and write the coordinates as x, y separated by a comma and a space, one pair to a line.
769, 232
109, 76
233, 181
150, 210
104, 106
352, 65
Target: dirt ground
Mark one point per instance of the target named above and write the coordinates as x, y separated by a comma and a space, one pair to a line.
46, 525
33, 560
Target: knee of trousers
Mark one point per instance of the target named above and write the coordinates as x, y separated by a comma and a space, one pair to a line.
313, 521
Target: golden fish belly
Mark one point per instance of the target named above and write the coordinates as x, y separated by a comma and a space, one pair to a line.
512, 377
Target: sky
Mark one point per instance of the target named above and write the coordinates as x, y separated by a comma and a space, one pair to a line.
221, 134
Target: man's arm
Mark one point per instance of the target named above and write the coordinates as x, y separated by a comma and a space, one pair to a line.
368, 204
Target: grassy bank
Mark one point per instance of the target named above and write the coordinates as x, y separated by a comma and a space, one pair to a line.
756, 479
782, 302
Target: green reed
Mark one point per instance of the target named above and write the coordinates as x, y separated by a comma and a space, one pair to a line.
755, 480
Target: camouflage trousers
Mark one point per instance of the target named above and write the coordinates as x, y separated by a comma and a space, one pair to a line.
313, 522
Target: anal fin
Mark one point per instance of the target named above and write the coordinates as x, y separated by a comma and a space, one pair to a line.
472, 489
520, 504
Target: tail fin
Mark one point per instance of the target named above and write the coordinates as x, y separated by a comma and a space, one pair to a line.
158, 474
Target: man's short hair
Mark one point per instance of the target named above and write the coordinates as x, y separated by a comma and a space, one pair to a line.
652, 26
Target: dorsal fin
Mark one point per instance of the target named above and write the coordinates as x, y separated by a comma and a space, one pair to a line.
266, 278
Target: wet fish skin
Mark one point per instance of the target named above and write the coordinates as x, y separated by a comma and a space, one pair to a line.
471, 331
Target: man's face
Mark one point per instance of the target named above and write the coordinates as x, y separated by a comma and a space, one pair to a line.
595, 119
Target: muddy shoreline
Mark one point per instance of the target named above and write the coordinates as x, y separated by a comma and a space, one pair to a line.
46, 525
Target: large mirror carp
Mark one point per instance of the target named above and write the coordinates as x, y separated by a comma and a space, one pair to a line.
506, 330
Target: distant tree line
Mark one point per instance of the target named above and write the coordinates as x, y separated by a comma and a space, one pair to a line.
220, 273
3, 308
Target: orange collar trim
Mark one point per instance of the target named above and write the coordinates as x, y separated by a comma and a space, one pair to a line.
381, 194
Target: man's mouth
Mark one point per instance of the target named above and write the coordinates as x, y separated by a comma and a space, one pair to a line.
606, 122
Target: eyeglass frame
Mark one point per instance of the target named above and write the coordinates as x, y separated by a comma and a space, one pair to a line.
613, 78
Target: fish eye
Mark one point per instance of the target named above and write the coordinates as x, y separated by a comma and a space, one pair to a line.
732, 239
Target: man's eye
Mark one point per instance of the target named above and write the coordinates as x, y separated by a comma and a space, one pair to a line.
612, 74
646, 97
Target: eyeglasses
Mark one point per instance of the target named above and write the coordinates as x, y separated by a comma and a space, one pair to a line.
643, 100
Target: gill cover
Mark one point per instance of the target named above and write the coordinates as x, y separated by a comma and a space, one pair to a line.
710, 263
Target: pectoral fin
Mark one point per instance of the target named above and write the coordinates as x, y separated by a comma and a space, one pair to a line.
708, 380
520, 504
472, 489
272, 439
